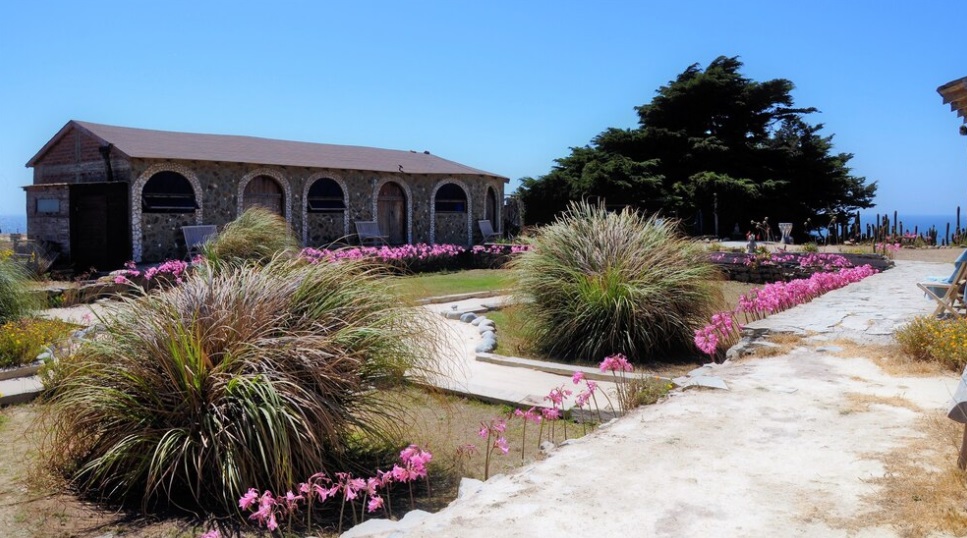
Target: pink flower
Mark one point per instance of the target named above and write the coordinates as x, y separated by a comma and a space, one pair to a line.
615, 363
292, 500
214, 533
531, 415
577, 377
551, 414
501, 444
266, 510
374, 504
249, 499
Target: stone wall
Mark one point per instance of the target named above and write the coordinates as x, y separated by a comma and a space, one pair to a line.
50, 226
220, 186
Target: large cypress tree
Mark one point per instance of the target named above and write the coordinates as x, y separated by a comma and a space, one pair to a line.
710, 138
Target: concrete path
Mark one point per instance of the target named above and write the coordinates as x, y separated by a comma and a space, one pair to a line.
510, 381
790, 450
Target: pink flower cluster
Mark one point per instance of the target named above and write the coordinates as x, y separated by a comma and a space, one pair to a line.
175, 268
497, 250
772, 298
420, 251
267, 508
888, 249
615, 363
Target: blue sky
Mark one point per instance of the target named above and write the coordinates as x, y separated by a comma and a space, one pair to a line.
503, 86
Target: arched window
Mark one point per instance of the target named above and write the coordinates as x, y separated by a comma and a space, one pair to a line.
168, 192
325, 195
450, 198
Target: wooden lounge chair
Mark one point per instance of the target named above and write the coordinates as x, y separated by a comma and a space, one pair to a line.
196, 236
368, 232
487, 231
949, 292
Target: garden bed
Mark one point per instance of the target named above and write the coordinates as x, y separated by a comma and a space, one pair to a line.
784, 267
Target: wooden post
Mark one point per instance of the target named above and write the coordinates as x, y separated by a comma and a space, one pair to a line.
962, 458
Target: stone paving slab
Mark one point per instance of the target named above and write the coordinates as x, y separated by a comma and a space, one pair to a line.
19, 390
868, 311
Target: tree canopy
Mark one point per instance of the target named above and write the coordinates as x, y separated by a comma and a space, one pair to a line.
711, 142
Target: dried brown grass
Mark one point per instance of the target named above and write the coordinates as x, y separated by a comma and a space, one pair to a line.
923, 492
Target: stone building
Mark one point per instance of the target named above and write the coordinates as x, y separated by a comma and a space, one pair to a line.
106, 194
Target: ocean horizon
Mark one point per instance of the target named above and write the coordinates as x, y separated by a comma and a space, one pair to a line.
913, 221
13, 224
917, 223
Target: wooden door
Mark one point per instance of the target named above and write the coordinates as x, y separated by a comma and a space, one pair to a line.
99, 231
391, 213
266, 192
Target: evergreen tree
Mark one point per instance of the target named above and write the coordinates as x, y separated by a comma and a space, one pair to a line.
710, 139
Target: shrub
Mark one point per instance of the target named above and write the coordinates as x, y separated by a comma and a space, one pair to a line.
933, 339
256, 235
597, 283
16, 300
809, 248
22, 340
248, 376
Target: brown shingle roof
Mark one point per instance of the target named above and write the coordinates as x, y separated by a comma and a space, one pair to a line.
955, 93
149, 144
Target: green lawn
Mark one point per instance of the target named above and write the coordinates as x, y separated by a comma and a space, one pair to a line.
438, 284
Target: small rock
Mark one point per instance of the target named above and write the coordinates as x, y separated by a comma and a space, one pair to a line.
547, 447
468, 317
829, 349
488, 334
484, 329
486, 345
479, 320
468, 486
453, 314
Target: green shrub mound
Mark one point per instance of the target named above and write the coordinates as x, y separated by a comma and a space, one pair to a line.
597, 283
249, 376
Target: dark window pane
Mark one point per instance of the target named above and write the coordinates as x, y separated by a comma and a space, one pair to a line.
450, 198
325, 195
168, 192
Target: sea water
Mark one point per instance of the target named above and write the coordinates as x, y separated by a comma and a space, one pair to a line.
13, 224
920, 223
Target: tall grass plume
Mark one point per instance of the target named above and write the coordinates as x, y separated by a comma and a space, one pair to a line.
248, 376
597, 283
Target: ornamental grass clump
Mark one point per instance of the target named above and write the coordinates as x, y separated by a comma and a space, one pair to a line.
256, 235
248, 376
595, 283
16, 301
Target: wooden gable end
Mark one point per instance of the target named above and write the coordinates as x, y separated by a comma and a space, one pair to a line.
72, 156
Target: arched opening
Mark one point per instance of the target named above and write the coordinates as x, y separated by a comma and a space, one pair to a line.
391, 212
325, 195
450, 198
168, 192
264, 191
490, 208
